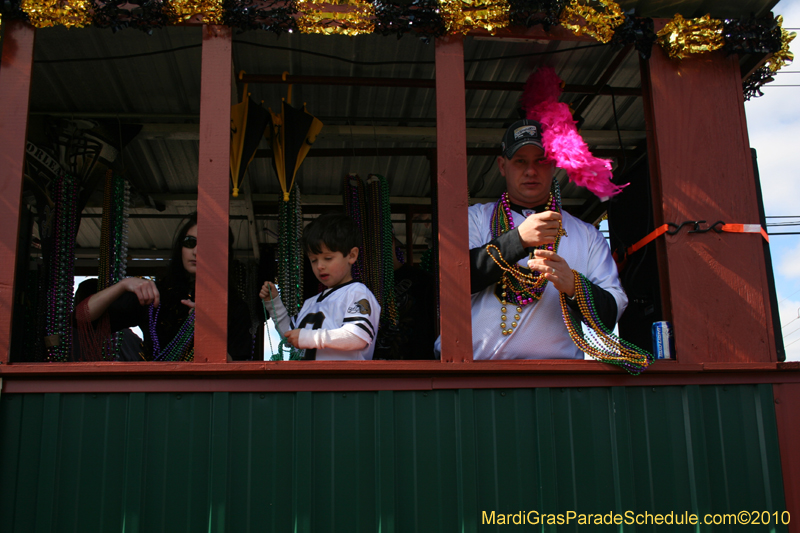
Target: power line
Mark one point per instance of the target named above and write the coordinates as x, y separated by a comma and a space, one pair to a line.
792, 320
794, 331
794, 341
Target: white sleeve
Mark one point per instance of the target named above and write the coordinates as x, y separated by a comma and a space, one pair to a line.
281, 317
332, 339
362, 314
478, 226
603, 270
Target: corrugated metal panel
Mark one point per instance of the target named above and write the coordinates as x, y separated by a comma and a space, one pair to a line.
381, 461
168, 84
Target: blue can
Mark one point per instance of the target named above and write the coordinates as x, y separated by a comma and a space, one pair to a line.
663, 340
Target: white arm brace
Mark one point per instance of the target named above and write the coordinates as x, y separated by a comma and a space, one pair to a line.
333, 339
282, 315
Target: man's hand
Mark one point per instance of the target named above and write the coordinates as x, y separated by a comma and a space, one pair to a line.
293, 337
268, 291
539, 228
555, 269
188, 303
144, 289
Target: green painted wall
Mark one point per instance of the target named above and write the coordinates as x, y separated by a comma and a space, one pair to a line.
383, 461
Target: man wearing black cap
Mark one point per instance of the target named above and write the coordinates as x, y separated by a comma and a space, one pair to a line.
526, 232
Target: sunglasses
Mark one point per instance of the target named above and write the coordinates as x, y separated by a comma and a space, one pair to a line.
189, 242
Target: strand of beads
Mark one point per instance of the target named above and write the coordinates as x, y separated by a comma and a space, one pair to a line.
290, 253
252, 286
245, 275
372, 240
58, 329
517, 286
119, 248
354, 205
104, 268
383, 220
295, 354
113, 246
121, 215
599, 342
535, 282
181, 347
388, 258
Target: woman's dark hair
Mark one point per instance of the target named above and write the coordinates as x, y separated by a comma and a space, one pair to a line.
176, 276
337, 231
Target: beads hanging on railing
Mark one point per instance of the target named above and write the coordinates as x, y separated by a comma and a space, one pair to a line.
369, 206
58, 313
355, 206
113, 247
290, 252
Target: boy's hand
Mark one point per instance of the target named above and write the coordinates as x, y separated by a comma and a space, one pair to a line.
293, 337
268, 291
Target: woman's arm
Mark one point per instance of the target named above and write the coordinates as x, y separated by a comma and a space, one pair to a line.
144, 289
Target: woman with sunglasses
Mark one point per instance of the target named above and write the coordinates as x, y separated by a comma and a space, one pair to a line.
164, 309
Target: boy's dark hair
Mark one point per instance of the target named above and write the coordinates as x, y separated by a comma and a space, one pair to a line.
337, 231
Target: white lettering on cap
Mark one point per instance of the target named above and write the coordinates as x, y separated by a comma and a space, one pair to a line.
523, 131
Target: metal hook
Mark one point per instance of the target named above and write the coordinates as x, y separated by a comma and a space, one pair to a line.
678, 228
710, 228
697, 227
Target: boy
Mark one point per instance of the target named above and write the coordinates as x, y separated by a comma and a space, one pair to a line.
342, 321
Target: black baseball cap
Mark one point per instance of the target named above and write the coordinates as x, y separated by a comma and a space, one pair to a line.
519, 134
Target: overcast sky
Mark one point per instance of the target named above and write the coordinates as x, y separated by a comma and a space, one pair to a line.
773, 123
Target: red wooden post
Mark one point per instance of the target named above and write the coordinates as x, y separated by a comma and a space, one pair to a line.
213, 206
15, 90
715, 284
452, 202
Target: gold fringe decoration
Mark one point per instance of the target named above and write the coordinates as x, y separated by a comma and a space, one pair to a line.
210, 11
600, 25
319, 17
461, 16
67, 13
783, 56
681, 37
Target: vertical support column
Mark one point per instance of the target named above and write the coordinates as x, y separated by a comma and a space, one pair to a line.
213, 205
715, 284
452, 202
15, 89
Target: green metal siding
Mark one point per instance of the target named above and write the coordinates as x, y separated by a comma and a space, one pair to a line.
383, 461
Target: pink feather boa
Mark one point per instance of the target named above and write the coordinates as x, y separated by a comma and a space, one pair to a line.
561, 139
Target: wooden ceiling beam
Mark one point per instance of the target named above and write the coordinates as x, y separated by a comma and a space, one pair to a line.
425, 83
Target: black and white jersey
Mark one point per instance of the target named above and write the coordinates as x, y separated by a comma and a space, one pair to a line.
351, 306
